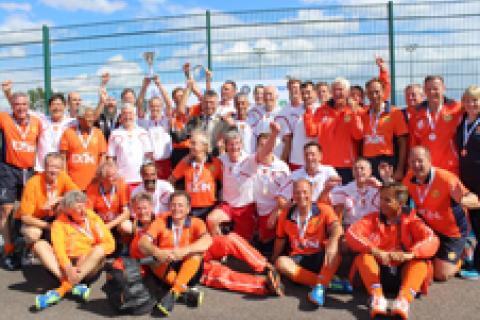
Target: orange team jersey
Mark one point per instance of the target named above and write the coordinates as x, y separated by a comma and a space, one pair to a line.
410, 233
19, 142
161, 232
70, 240
202, 189
134, 249
35, 194
440, 140
434, 203
83, 156
195, 110
338, 132
108, 205
390, 123
180, 122
316, 231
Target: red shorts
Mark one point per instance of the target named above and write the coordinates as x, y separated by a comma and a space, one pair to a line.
243, 218
164, 168
264, 233
294, 166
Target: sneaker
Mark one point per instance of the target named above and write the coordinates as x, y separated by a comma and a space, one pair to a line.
317, 295
470, 274
193, 297
82, 291
340, 285
274, 282
400, 307
167, 303
11, 263
43, 301
378, 306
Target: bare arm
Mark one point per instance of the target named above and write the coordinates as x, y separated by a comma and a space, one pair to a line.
278, 247
263, 153
165, 97
141, 98
287, 147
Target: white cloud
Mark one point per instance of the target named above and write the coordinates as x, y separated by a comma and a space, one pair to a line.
13, 52
11, 29
12, 6
101, 6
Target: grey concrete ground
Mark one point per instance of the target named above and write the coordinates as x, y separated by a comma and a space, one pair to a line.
457, 299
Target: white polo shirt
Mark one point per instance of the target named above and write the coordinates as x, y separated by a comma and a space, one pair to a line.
248, 138
357, 202
129, 148
161, 196
237, 188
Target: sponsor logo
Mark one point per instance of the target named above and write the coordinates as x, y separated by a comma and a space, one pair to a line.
82, 158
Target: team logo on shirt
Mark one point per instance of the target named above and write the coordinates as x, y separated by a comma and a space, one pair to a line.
420, 124
94, 140
212, 168
22, 146
83, 158
452, 256
447, 117
387, 119
347, 118
435, 193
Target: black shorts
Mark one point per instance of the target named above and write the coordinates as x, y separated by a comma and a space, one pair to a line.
12, 181
451, 249
311, 262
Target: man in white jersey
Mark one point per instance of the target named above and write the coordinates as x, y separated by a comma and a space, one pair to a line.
359, 197
53, 127
320, 176
262, 117
130, 146
289, 116
160, 190
238, 195
226, 105
242, 124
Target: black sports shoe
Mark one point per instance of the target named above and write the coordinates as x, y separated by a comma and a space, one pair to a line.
167, 303
274, 282
193, 297
11, 263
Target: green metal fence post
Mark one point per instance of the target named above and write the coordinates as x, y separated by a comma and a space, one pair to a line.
391, 48
209, 40
47, 70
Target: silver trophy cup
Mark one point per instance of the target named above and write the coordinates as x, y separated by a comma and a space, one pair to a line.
149, 59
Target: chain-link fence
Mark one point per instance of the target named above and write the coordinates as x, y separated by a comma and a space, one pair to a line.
317, 43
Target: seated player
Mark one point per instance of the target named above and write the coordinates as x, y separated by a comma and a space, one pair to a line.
178, 242
81, 241
215, 274
200, 175
393, 244
160, 190
313, 233
37, 210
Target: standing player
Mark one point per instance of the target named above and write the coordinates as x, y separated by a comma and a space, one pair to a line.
392, 244
130, 146
84, 148
413, 97
435, 123
20, 131
440, 199
313, 233
243, 125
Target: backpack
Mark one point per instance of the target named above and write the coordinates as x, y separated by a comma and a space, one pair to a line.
125, 288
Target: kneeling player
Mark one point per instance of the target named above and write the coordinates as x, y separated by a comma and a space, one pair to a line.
81, 241
178, 242
314, 258
393, 244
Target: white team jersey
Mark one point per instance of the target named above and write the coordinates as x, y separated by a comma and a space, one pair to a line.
223, 110
267, 180
299, 138
237, 188
161, 142
260, 122
318, 181
161, 196
357, 203
49, 140
248, 138
129, 148
288, 117
146, 123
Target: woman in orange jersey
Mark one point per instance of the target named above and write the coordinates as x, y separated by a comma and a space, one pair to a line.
81, 241
393, 245
200, 174
107, 196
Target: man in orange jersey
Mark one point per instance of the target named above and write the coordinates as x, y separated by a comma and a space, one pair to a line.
338, 126
413, 97
84, 148
435, 123
38, 206
81, 241
313, 233
177, 241
440, 199
392, 245
383, 122
20, 131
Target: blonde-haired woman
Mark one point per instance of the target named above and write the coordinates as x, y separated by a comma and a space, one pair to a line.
468, 144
